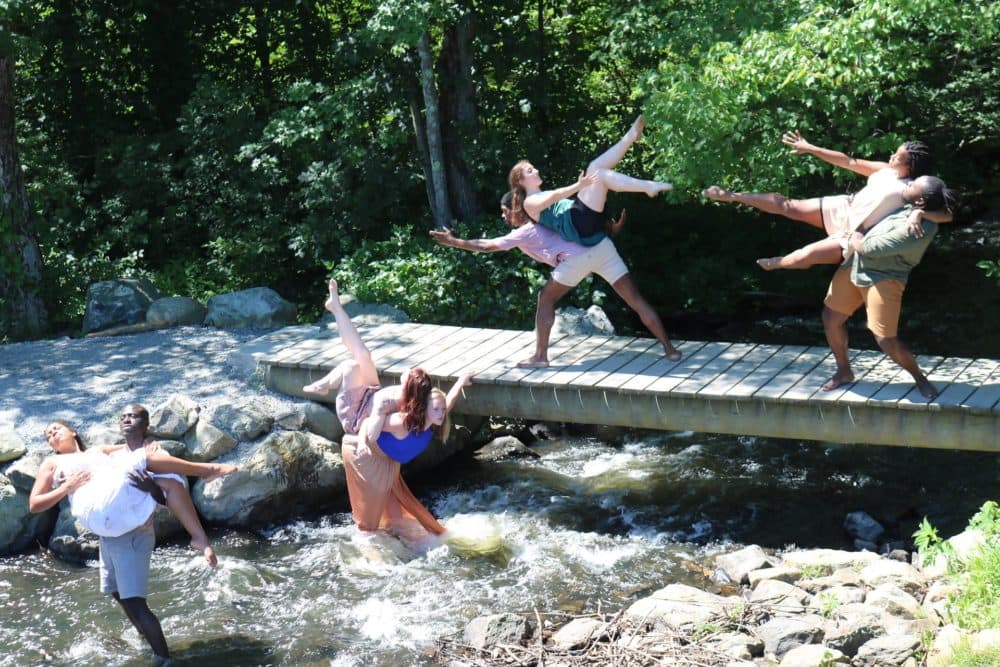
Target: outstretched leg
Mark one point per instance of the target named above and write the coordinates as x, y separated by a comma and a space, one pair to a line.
146, 623
545, 316
803, 210
626, 289
899, 352
358, 372
595, 196
159, 461
180, 504
827, 251
609, 158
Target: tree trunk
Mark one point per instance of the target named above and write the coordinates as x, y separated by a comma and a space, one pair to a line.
22, 313
420, 131
262, 25
458, 110
439, 205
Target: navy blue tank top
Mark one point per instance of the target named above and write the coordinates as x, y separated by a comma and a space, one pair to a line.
404, 450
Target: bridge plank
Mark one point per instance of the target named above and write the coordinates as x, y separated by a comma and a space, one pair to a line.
783, 356
373, 335
744, 366
987, 396
807, 368
941, 376
967, 382
629, 351
434, 357
495, 362
561, 354
690, 385
900, 385
416, 345
871, 372
472, 358
605, 350
668, 374
642, 368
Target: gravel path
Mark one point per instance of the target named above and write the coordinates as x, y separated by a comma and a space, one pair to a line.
86, 381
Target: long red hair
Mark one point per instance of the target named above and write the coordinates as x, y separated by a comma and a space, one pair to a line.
517, 193
416, 396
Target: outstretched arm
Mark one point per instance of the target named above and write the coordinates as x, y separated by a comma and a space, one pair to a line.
538, 202
464, 380
800, 146
446, 238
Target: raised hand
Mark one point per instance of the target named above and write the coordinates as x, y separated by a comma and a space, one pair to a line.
443, 236
796, 141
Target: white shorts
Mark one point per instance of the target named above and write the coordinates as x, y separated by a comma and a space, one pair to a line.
836, 211
602, 259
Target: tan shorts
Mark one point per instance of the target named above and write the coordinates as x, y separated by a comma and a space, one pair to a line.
882, 302
602, 259
836, 212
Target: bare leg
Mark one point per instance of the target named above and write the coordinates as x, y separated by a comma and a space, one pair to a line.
803, 210
179, 502
160, 462
595, 196
626, 289
827, 251
609, 158
146, 623
835, 327
545, 316
362, 372
899, 352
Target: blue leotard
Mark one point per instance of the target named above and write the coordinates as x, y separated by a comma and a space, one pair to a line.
404, 450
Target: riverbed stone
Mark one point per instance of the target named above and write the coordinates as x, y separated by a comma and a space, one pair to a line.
783, 633
679, 605
781, 597
242, 424
12, 447
504, 447
841, 577
936, 598
22, 472
174, 417
736, 645
70, 541
578, 632
322, 421
485, 631
814, 655
903, 575
19, 528
286, 474
789, 575
738, 564
206, 442
172, 311
258, 307
827, 560
854, 626
894, 600
578, 322
887, 651
116, 302
863, 526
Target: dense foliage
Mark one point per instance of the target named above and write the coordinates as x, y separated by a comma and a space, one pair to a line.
223, 144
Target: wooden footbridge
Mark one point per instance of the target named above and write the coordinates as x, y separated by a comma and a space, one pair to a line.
718, 387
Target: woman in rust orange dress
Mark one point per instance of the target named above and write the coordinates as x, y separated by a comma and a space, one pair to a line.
383, 428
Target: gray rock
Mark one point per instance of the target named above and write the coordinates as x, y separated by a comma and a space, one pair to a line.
679, 605
848, 633
736, 645
322, 421
894, 600
171, 311
116, 302
293, 420
173, 418
865, 545
206, 442
242, 424
19, 528
841, 577
780, 597
789, 575
578, 632
506, 446
814, 655
371, 313
784, 633
485, 631
738, 564
11, 446
22, 472
903, 575
887, 651
577, 322
70, 540
287, 473
256, 307
862, 526
827, 560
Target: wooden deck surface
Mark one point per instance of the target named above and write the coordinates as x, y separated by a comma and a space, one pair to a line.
738, 383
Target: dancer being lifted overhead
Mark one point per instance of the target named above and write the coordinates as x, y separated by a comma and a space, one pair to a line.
841, 215
383, 428
580, 220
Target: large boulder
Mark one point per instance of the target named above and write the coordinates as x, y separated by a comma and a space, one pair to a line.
172, 311
486, 631
172, 418
679, 605
286, 474
578, 322
19, 528
70, 540
206, 442
11, 446
116, 302
243, 424
259, 307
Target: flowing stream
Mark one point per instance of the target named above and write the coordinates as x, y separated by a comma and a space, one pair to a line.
587, 525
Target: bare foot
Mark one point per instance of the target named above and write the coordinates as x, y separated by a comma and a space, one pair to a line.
769, 263
715, 193
635, 131
220, 470
839, 378
533, 362
657, 187
325, 384
333, 301
926, 389
673, 354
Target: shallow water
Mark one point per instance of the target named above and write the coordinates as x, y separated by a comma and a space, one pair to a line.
588, 524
